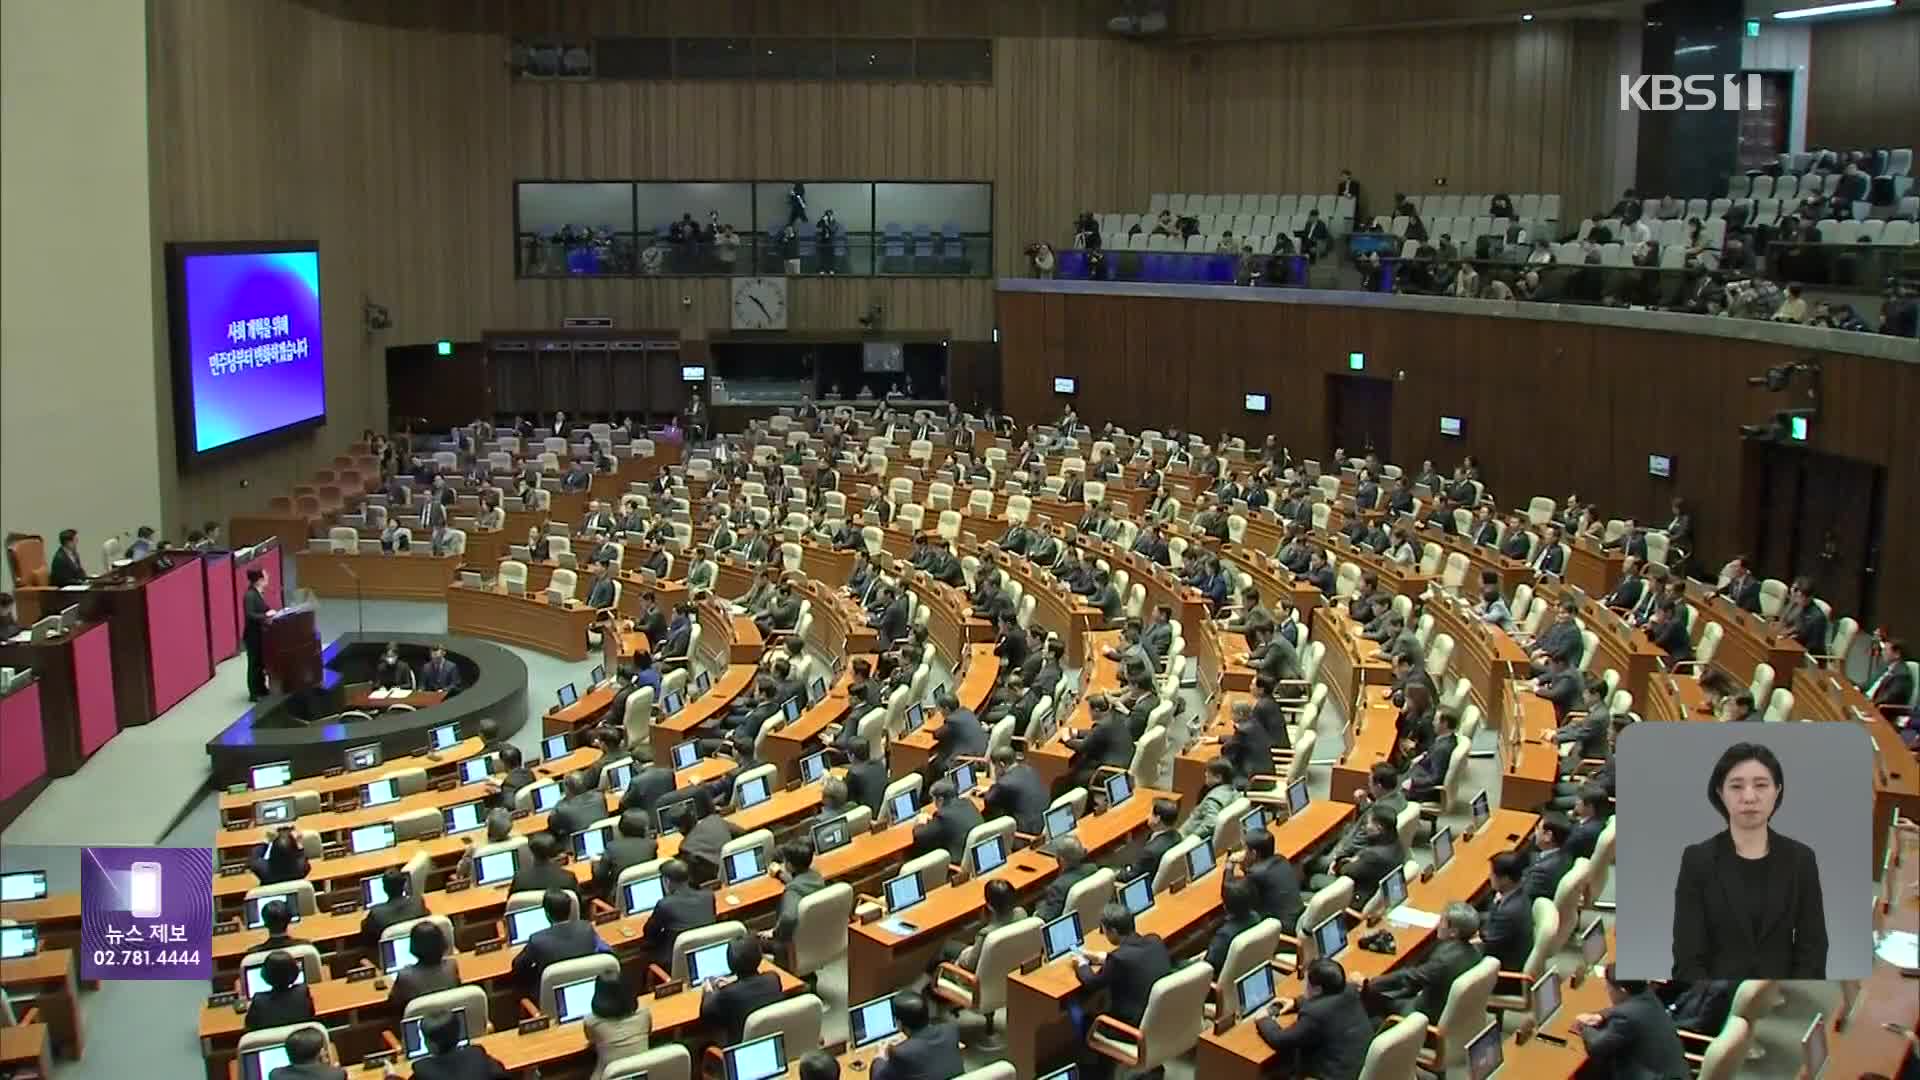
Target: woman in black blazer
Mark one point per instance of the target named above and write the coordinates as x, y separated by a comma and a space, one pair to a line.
1747, 903
284, 1001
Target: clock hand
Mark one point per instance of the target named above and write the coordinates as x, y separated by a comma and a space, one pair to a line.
761, 306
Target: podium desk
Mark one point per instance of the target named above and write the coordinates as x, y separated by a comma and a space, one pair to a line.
360, 696
72, 700
529, 621
381, 577
879, 960
50, 978
1239, 1052
1039, 1034
290, 648
236, 808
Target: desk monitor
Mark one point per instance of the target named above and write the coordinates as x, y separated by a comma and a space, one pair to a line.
1253, 821
1063, 384
1062, 935
373, 890
554, 746
415, 1041
831, 835
903, 892
816, 693
571, 1001
753, 793
32, 884
496, 866
1545, 995
1484, 1052
380, 792
568, 695
1481, 812
476, 770
702, 683
618, 775
525, 923
1254, 990
1813, 1047
744, 866
377, 837
1199, 861
257, 981
813, 767
1138, 894
260, 1063
989, 855
1297, 797
791, 709
364, 757
271, 775
1329, 938
1060, 821
915, 717
257, 905
546, 795
673, 703
599, 674
1660, 465
1393, 888
871, 1021
18, 941
1256, 403
591, 843
1452, 426
686, 754
708, 962
761, 1059
693, 373
1119, 789
273, 811
465, 817
396, 955
642, 893
444, 736
669, 815
902, 806
963, 778
1593, 943
1442, 846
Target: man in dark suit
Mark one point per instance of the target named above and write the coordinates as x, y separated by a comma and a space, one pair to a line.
1591, 808
67, 568
930, 1051
1165, 835
632, 844
1589, 731
1378, 854
726, 1006
599, 519
682, 907
1669, 632
307, 1059
1551, 861
1158, 636
600, 594
959, 735
1742, 588
784, 612
1383, 789
1249, 749
1018, 791
540, 873
1429, 770
1329, 1036
1276, 884
1892, 689
583, 806
1108, 743
1507, 930
448, 1059
891, 623
1562, 639
1632, 586
1153, 544
1561, 685
951, 820
1074, 867
287, 999
1634, 1038
867, 777
1803, 618
1701, 1007
800, 880
1127, 973
1425, 986
258, 614
647, 788
399, 906
565, 938
1237, 898
439, 673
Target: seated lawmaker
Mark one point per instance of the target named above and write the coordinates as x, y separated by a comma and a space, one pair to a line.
393, 673
1331, 1030
439, 673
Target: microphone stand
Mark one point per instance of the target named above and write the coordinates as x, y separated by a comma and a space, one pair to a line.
359, 601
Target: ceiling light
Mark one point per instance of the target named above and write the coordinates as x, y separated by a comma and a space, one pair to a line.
1693, 49
1834, 9
1528, 17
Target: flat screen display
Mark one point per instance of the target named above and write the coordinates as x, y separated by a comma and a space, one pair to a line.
1660, 465
1063, 384
1452, 426
1256, 403
248, 356
693, 373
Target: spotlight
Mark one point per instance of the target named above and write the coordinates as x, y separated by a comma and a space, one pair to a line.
1527, 17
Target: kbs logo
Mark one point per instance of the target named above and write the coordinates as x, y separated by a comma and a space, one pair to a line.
1695, 93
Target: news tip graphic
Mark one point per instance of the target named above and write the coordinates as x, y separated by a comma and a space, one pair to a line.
146, 913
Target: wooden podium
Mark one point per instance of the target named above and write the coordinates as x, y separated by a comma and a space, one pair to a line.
292, 647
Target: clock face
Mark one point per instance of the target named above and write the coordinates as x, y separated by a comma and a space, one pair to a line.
760, 303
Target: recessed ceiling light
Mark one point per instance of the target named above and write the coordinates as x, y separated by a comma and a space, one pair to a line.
1528, 17
1834, 9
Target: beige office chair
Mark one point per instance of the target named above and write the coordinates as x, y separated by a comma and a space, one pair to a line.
761, 839
471, 998
1720, 1056
698, 938
797, 1018
1002, 827
1074, 797
1462, 1019
277, 1036
1249, 949
1150, 756
908, 783
1568, 898
568, 971
984, 989
1168, 1029
414, 824
638, 721
1173, 865
671, 1062
1089, 896
1395, 1052
1228, 833
1450, 785
1510, 988
298, 893
820, 936
1336, 896
308, 955
1753, 999
399, 932
627, 877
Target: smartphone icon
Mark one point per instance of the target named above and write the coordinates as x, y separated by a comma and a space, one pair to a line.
145, 893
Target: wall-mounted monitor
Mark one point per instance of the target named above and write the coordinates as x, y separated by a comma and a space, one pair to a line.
1660, 465
1452, 426
1065, 384
249, 360
693, 373
1256, 403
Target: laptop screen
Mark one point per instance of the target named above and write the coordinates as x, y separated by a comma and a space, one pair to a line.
1119, 789
816, 692
813, 767
396, 955
465, 817
963, 779
554, 746
1253, 821
25, 885
761, 1059
444, 736
669, 815
902, 806
744, 866
1393, 888
704, 683
1329, 937
271, 775
915, 717
1297, 797
792, 709
1484, 1052
673, 703
546, 796
989, 855
371, 838
416, 1041
496, 866
364, 757
571, 1001
525, 923
16, 941
1546, 997
708, 962
257, 981
272, 811
1138, 894
871, 1021
1060, 821
257, 905
1442, 846
643, 893
373, 890
475, 770
380, 792
1254, 989
829, 835
568, 695
1593, 943
1480, 811
590, 843
617, 776
1199, 861
260, 1064
903, 892
753, 793
685, 754
1062, 935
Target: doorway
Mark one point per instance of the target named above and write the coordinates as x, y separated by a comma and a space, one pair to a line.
1819, 516
1360, 415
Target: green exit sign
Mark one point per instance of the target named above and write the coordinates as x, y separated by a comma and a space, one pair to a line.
1356, 361
444, 348
1753, 27
1797, 428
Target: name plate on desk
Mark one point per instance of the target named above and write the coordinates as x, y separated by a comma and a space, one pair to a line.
233, 870
345, 907
219, 1000
521, 813
337, 770
236, 789
459, 885
362, 974
605, 917
374, 1062
490, 945
231, 926
236, 826
669, 988
446, 783
538, 1023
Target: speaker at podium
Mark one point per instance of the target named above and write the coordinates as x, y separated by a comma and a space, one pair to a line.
292, 647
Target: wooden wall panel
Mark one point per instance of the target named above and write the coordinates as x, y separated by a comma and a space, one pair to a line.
1551, 408
1863, 81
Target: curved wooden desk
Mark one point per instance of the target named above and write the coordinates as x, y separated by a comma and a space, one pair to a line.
529, 621
380, 577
